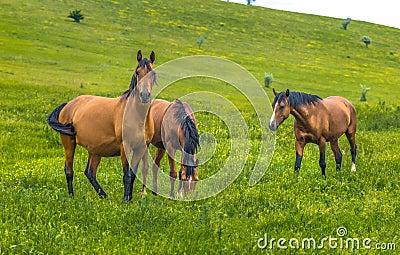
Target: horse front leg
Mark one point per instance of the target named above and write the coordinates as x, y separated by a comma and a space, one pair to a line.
322, 163
172, 174
156, 165
145, 170
128, 177
299, 156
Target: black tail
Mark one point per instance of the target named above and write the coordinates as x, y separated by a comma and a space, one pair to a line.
52, 120
191, 135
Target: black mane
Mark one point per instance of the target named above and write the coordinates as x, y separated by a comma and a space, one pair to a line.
190, 132
298, 99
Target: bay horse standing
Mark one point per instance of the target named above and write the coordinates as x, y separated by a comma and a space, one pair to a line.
175, 128
95, 123
317, 121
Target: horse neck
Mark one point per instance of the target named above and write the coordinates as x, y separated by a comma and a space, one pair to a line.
134, 108
303, 113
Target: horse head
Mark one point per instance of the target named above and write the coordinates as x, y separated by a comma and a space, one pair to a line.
281, 109
144, 77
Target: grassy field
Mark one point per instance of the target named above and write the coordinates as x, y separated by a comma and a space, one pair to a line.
47, 59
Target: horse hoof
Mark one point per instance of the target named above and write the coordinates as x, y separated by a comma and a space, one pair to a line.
126, 199
102, 194
154, 193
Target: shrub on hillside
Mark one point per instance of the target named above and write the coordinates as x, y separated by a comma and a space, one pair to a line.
76, 15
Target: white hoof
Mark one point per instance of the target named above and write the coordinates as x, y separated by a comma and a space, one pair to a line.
353, 167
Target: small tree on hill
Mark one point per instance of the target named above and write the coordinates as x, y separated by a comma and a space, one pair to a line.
364, 91
200, 41
366, 40
345, 23
250, 1
268, 79
76, 15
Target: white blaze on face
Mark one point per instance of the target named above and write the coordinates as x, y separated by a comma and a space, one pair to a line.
272, 120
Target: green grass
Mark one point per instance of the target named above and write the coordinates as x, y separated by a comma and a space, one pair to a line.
47, 59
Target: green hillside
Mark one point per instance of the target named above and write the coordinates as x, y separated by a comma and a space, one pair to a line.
47, 59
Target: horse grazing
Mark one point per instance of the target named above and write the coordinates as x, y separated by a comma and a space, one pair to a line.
317, 121
175, 128
95, 123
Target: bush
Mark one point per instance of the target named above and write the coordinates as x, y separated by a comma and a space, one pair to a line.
76, 15
268, 79
345, 23
366, 40
200, 41
364, 91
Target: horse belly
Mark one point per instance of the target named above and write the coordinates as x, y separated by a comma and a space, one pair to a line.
99, 145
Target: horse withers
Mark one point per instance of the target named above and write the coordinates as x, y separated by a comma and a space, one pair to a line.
175, 129
96, 124
317, 121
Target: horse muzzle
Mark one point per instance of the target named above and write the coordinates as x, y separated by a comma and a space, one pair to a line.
273, 126
144, 97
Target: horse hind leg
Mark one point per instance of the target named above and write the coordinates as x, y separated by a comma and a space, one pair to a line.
322, 162
338, 154
351, 137
69, 144
90, 172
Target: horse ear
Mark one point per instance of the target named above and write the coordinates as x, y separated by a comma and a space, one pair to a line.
152, 57
139, 56
275, 93
287, 93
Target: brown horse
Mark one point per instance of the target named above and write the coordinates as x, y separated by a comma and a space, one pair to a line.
95, 123
175, 128
317, 121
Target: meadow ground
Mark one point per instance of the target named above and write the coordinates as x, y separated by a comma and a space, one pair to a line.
47, 59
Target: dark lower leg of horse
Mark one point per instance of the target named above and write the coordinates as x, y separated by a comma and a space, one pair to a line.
322, 163
297, 164
128, 180
155, 173
353, 158
338, 154
338, 160
92, 179
145, 170
90, 172
180, 186
70, 177
353, 149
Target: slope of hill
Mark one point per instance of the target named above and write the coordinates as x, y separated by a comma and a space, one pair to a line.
304, 52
